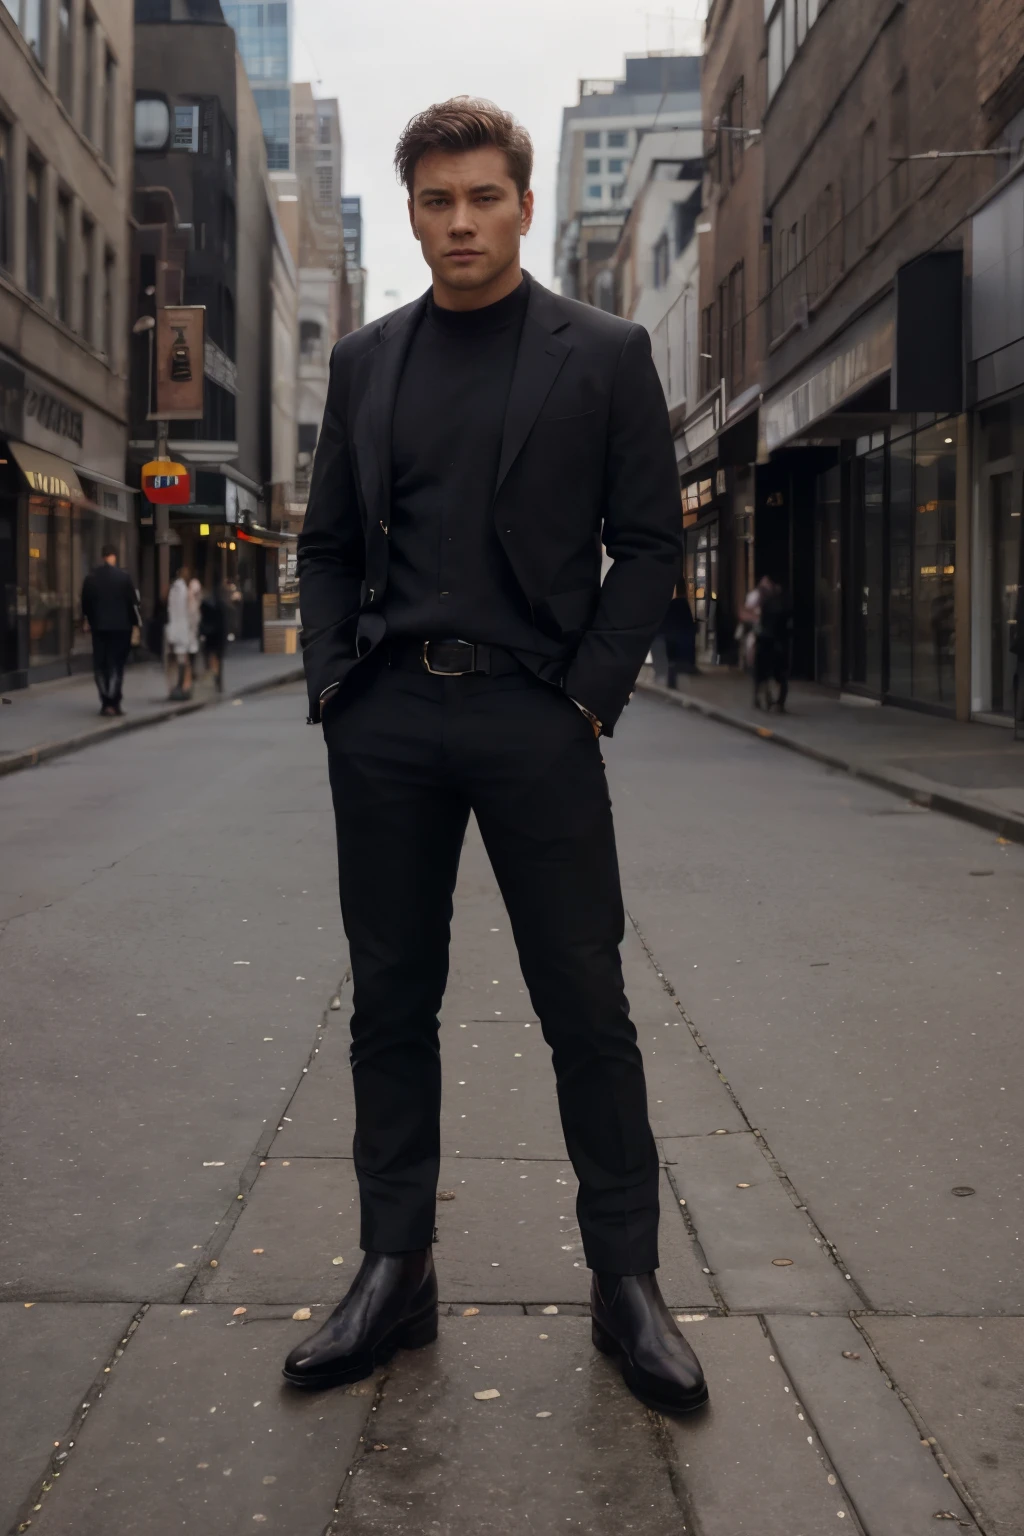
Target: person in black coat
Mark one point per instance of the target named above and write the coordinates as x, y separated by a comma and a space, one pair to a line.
110, 607
463, 654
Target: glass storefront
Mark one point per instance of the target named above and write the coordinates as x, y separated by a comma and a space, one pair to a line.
50, 589
999, 555
898, 566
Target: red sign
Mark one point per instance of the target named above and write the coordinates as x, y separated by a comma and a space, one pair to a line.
166, 482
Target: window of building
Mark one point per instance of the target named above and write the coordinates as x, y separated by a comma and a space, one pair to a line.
869, 184
684, 218
706, 371
325, 184
308, 431
227, 216
152, 122
109, 106
899, 145
108, 304
617, 138
737, 339
34, 227
593, 167
228, 309
30, 17
311, 341
85, 279
186, 129
5, 193
64, 52
88, 73
62, 240
788, 23
661, 260
594, 191
591, 141
618, 192
616, 167
323, 129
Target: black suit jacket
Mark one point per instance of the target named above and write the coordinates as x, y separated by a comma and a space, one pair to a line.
586, 458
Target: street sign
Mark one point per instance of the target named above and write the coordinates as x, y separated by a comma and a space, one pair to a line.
166, 483
180, 354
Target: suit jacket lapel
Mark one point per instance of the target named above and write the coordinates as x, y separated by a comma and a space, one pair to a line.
385, 372
538, 362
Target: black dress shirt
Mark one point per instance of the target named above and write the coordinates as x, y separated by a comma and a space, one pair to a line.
448, 576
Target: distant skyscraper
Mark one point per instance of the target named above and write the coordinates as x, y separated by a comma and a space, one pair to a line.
264, 31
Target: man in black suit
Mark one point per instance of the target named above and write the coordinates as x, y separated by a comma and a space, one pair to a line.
110, 607
478, 447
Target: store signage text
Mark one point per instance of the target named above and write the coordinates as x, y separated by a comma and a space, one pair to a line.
54, 414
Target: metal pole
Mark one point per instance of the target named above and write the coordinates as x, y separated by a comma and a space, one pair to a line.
162, 525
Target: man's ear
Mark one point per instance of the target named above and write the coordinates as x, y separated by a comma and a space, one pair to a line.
412, 219
527, 212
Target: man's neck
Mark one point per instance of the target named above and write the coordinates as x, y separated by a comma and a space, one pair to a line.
499, 287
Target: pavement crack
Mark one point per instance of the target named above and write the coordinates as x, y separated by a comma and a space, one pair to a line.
827, 1245
218, 1239
64, 1447
333, 1526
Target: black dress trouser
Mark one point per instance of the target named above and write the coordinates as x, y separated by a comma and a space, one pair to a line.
110, 648
410, 756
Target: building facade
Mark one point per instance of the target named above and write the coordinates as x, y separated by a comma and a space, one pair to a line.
600, 134
321, 262
207, 235
65, 192
355, 272
263, 29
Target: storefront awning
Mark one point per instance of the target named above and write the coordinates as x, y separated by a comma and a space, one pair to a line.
48, 475
272, 537
836, 374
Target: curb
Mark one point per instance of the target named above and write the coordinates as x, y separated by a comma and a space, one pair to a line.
31, 757
1003, 823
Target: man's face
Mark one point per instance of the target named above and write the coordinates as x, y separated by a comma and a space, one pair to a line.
465, 212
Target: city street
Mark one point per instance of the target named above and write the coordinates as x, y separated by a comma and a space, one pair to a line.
827, 982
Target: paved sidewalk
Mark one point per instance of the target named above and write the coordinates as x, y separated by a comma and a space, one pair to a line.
177, 1110
972, 771
49, 719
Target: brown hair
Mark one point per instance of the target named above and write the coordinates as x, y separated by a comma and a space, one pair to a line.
461, 124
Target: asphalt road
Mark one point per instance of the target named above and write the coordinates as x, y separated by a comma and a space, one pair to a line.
828, 987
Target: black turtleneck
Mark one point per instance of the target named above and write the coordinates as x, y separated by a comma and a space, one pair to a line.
448, 575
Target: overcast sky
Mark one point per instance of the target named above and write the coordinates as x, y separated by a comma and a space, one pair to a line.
386, 59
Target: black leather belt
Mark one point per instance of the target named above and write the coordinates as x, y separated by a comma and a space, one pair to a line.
451, 658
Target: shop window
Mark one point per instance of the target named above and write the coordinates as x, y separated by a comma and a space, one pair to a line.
935, 564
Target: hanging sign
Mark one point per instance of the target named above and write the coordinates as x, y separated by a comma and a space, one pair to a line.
180, 360
166, 483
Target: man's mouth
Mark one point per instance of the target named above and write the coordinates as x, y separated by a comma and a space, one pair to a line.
463, 255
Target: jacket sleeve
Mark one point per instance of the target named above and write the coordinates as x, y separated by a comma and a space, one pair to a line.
331, 547
89, 600
642, 535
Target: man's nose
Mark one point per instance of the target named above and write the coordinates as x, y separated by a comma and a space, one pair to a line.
462, 221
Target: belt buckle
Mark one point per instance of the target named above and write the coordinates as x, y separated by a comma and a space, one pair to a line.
436, 672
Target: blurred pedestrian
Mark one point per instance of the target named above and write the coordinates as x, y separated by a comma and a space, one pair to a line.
110, 609
771, 644
679, 635
213, 631
181, 636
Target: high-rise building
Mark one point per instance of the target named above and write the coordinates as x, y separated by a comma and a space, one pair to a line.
263, 31
600, 135
355, 272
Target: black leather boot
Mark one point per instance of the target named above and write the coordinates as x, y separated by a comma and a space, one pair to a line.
391, 1304
633, 1326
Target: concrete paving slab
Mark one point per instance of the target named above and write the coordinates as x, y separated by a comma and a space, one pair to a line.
744, 1231
893, 1481
965, 1378
745, 1465
301, 1215
51, 1357
199, 1433
465, 1467
511, 1234
499, 1092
